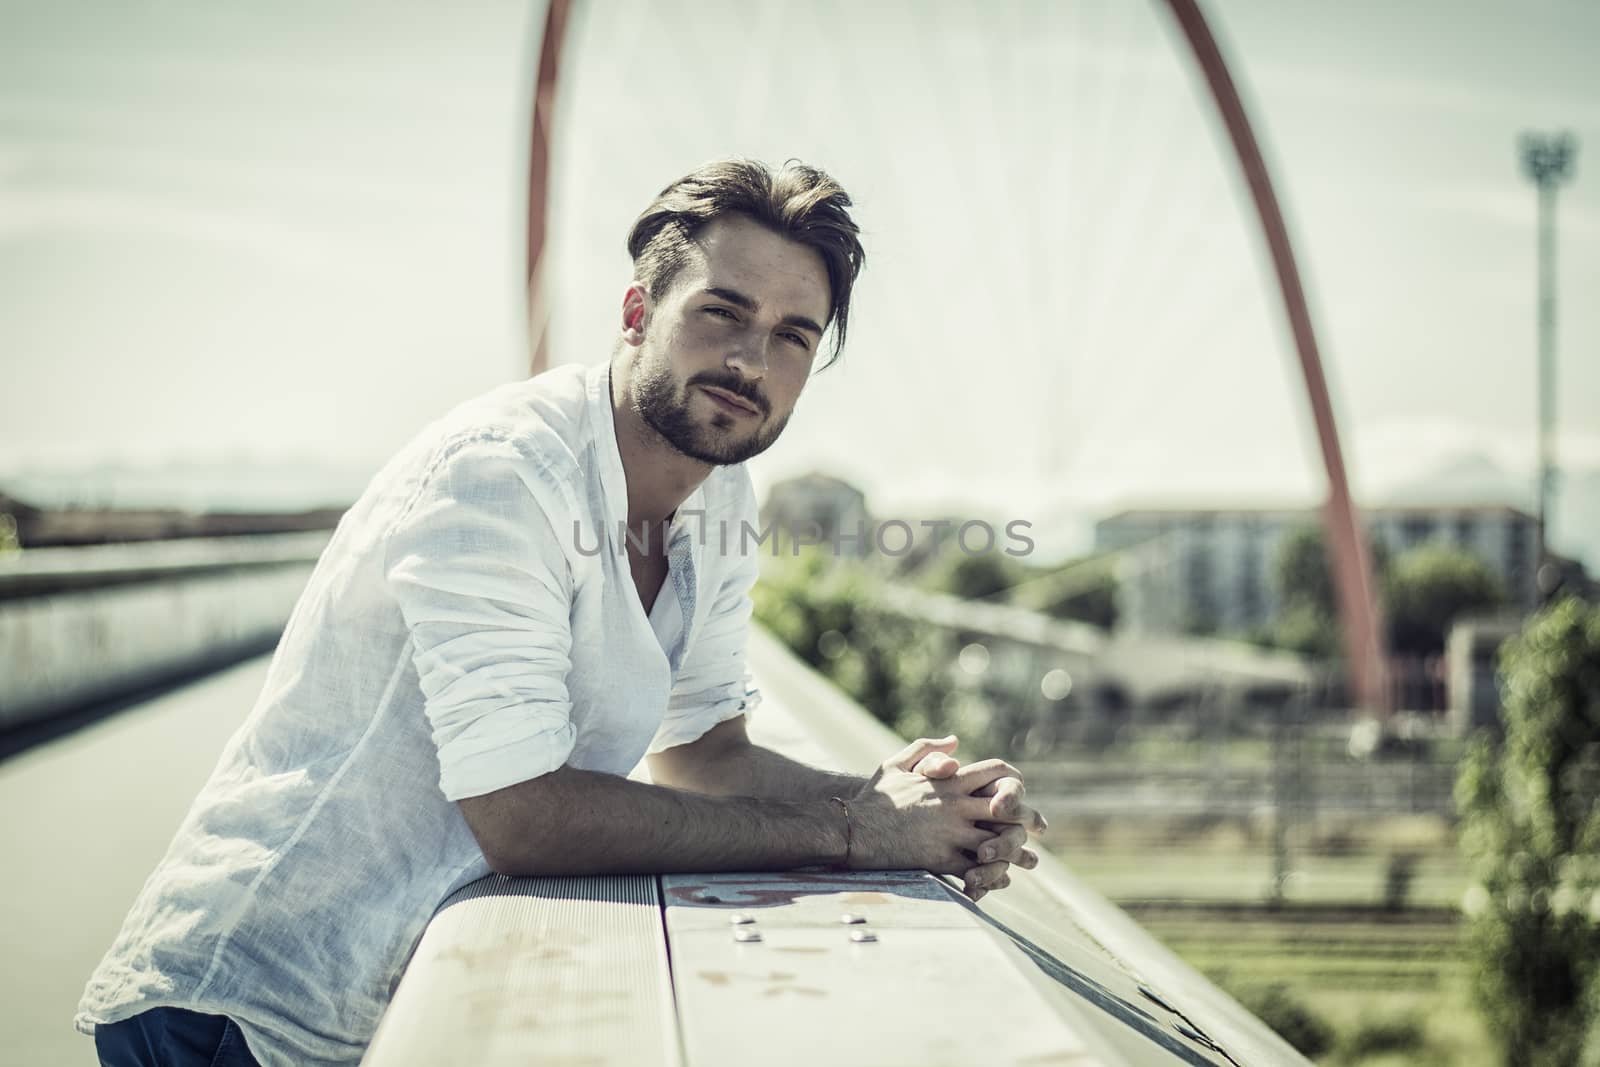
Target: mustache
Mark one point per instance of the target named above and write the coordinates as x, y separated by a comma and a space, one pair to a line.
733, 384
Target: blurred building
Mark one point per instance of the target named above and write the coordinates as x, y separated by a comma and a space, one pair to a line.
1213, 570
1471, 658
838, 508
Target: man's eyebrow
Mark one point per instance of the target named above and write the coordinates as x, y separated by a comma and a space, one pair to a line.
738, 299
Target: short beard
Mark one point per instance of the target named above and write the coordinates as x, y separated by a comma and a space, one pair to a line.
665, 408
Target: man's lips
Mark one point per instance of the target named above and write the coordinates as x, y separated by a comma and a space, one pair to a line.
732, 400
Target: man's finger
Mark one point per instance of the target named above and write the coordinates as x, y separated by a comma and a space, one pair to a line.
975, 776
985, 877
973, 809
1023, 815
1027, 818
912, 754
1006, 803
1006, 845
937, 765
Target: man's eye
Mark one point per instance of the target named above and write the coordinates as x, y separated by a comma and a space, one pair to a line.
797, 339
724, 312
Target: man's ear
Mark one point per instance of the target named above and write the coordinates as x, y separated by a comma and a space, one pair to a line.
635, 313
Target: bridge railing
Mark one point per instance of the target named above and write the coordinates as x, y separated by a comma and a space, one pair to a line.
79, 625
804, 967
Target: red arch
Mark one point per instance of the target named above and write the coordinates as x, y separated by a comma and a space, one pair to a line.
544, 111
1359, 613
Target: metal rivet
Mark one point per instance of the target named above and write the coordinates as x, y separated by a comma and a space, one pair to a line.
1151, 994
863, 935
746, 933
850, 918
742, 918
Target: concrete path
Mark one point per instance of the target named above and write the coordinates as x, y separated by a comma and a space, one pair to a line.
86, 819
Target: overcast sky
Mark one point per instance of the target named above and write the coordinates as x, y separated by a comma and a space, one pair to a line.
232, 230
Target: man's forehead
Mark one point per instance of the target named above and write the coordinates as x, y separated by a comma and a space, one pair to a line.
766, 266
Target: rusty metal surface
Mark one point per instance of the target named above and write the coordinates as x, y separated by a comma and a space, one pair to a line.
875, 959
806, 898
537, 971
919, 981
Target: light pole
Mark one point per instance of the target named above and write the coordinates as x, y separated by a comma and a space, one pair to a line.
1547, 160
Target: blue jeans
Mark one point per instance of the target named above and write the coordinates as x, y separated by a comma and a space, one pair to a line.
172, 1037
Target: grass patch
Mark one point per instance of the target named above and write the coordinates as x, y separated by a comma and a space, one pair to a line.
1389, 986
1275, 1004
1394, 1033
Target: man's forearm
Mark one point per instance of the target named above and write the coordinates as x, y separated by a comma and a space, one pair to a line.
725, 762
585, 822
753, 770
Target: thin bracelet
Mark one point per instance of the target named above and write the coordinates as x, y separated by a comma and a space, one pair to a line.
848, 833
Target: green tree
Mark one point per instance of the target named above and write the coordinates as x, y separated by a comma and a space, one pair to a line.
827, 612
1427, 589
1307, 620
1083, 590
1307, 629
976, 576
1530, 808
9, 541
1093, 601
1301, 573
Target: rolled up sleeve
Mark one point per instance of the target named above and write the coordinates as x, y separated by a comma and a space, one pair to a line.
476, 567
714, 684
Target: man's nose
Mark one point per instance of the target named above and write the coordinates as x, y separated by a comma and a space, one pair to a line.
749, 358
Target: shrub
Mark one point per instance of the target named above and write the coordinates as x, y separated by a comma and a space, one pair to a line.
1428, 588
1292, 1018
1530, 808
1372, 1037
976, 577
827, 613
1398, 875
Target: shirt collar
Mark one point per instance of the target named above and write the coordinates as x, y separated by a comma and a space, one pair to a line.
613, 481
613, 477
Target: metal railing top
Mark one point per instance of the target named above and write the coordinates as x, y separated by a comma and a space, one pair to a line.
793, 967
35, 571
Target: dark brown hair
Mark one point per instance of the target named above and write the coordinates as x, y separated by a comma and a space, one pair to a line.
798, 202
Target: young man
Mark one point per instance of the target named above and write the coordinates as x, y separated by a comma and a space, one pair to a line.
532, 595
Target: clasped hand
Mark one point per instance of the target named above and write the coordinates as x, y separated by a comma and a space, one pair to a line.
923, 809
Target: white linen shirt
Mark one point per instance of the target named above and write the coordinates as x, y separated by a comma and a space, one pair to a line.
473, 623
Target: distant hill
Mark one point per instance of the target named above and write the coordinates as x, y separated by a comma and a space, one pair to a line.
230, 484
